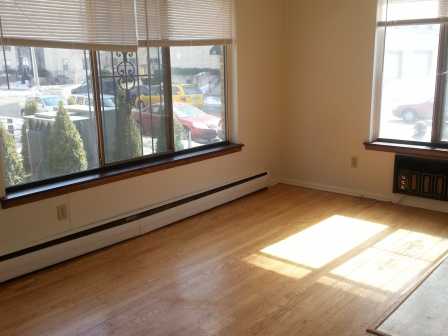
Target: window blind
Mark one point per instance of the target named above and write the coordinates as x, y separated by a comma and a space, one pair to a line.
184, 22
393, 12
98, 24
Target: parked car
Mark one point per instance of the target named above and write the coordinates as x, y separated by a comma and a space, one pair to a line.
45, 103
202, 127
413, 112
84, 99
149, 96
182, 93
82, 104
108, 87
189, 94
213, 105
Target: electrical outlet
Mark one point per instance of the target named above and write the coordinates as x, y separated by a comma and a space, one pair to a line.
354, 162
62, 212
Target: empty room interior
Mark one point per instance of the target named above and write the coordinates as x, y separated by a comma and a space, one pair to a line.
224, 167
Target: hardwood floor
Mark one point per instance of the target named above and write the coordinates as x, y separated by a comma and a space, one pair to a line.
286, 261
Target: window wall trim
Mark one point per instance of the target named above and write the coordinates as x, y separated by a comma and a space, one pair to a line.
439, 99
65, 45
377, 87
440, 87
183, 43
2, 172
408, 148
168, 97
37, 191
96, 93
166, 59
228, 89
414, 22
106, 173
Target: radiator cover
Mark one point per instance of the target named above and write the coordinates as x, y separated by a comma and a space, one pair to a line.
421, 177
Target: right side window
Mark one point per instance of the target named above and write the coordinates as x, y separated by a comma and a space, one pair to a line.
409, 82
411, 72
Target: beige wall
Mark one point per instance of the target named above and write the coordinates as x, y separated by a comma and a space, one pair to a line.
330, 60
259, 62
303, 83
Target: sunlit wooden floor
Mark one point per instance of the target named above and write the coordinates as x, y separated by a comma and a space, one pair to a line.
287, 261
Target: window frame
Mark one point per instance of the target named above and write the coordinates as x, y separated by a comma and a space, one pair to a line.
440, 85
127, 168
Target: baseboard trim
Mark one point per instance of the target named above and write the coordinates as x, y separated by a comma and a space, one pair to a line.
52, 252
410, 201
336, 189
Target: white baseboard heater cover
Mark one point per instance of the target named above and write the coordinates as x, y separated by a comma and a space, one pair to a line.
53, 252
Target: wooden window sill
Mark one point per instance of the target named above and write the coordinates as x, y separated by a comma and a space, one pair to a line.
408, 149
40, 191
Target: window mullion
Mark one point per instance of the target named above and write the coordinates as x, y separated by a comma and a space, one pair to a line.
439, 98
6, 67
2, 171
97, 105
227, 89
168, 98
377, 88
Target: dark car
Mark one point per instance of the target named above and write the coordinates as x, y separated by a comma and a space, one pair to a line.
413, 112
108, 87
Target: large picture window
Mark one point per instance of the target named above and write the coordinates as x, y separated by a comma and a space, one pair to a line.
83, 100
410, 105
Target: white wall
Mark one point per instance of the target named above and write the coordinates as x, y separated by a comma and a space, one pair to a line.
330, 69
259, 103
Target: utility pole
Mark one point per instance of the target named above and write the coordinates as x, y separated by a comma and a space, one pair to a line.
34, 67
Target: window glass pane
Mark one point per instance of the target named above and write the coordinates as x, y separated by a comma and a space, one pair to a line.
444, 126
198, 95
444, 129
45, 131
409, 78
3, 73
134, 118
151, 112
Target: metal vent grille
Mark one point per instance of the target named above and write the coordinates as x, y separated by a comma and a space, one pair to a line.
421, 177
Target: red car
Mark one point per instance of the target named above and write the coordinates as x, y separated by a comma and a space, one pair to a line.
203, 127
414, 112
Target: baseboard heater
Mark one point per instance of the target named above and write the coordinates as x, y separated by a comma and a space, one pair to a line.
421, 177
55, 251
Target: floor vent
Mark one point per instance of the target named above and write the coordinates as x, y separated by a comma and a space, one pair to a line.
421, 177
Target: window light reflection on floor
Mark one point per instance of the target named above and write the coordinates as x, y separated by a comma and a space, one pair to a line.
353, 288
325, 241
277, 266
395, 262
414, 244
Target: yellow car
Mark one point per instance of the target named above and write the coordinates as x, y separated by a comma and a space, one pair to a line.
182, 93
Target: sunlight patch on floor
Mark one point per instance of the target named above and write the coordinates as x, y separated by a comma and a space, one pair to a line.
384, 270
353, 288
395, 261
277, 266
415, 245
324, 242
